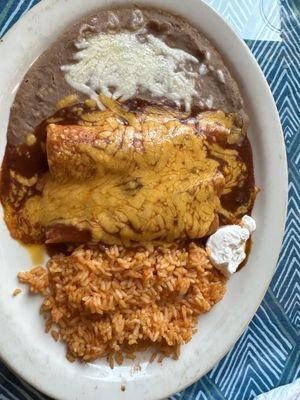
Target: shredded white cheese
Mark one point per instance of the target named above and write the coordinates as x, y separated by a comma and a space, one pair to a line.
86, 27
113, 20
209, 101
127, 63
203, 69
137, 19
208, 55
221, 76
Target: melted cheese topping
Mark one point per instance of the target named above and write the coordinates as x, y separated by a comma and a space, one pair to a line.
128, 62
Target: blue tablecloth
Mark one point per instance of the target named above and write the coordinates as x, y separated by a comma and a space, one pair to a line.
267, 354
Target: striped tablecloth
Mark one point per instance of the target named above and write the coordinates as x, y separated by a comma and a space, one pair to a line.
268, 353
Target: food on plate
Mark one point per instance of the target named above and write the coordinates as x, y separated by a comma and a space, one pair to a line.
226, 247
130, 178
112, 301
127, 156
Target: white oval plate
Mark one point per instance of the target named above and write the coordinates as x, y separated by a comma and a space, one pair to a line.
34, 355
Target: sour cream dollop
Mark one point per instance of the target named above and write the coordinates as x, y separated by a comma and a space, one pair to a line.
226, 247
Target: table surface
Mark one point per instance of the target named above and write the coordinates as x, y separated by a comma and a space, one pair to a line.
268, 353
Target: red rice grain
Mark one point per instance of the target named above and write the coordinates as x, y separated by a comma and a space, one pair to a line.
111, 301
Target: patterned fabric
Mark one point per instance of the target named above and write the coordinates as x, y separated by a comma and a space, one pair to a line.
268, 353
